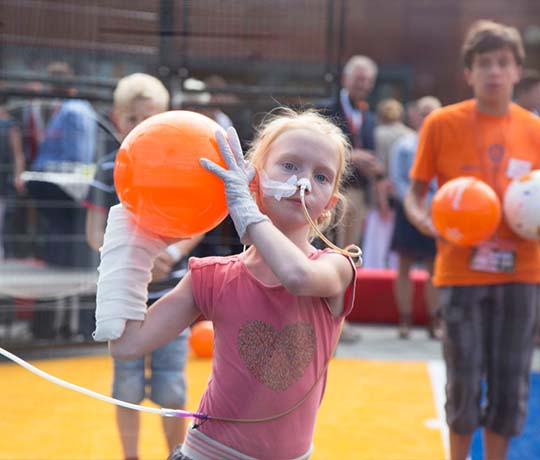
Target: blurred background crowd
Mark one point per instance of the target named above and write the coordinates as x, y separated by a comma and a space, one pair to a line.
378, 68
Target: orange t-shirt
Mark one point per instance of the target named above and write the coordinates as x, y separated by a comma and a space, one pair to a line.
458, 140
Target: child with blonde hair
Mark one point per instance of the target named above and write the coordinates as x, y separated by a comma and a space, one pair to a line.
137, 97
277, 308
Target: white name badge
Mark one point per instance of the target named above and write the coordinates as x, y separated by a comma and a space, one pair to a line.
517, 168
494, 256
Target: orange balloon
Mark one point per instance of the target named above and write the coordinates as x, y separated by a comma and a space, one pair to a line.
201, 339
158, 177
466, 211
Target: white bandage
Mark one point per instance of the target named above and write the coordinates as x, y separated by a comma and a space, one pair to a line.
127, 257
281, 190
276, 188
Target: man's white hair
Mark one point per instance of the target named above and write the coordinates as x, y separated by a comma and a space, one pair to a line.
360, 60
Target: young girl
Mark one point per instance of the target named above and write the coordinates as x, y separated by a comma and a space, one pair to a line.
277, 308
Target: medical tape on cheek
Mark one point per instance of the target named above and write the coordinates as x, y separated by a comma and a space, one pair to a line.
276, 188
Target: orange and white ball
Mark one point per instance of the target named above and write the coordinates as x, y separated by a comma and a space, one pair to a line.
466, 211
521, 206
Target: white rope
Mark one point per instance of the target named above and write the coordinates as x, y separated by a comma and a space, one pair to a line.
352, 250
161, 411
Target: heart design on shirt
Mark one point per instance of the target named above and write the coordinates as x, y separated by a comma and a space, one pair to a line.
277, 359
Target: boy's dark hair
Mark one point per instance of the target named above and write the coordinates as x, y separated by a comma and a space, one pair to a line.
484, 36
529, 79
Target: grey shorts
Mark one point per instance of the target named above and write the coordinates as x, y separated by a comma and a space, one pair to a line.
488, 332
176, 454
166, 379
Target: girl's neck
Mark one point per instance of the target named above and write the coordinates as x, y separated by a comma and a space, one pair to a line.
298, 237
493, 108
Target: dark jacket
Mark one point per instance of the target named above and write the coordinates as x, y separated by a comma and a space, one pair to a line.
334, 111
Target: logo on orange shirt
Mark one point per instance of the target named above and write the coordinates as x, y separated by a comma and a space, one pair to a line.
495, 153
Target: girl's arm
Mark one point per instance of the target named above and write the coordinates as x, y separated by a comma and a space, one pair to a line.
165, 319
327, 276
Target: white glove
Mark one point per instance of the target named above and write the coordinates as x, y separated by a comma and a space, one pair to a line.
242, 207
127, 257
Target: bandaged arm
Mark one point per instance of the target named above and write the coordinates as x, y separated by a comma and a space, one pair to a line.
127, 257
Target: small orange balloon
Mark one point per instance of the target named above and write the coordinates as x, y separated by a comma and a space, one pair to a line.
158, 177
466, 211
201, 339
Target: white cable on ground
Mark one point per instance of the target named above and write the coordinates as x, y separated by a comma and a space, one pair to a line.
160, 411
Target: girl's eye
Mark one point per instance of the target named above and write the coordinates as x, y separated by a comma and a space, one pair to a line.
321, 178
289, 166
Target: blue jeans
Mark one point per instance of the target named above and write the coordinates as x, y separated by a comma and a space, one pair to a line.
166, 380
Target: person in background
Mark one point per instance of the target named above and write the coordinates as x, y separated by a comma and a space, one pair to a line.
12, 164
380, 218
350, 111
69, 141
488, 292
137, 97
408, 243
390, 128
527, 91
70, 136
219, 100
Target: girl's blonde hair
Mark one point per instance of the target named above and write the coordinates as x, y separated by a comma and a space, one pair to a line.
285, 119
140, 86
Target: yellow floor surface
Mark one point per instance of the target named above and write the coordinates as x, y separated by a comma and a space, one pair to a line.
371, 411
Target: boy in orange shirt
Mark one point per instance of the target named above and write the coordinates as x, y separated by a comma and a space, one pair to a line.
489, 310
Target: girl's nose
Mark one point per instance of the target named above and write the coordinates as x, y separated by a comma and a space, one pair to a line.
304, 184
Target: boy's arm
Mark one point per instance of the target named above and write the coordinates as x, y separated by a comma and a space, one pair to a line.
416, 208
165, 260
18, 158
423, 170
95, 228
99, 199
177, 251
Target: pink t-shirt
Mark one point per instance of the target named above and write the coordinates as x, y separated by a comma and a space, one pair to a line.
270, 346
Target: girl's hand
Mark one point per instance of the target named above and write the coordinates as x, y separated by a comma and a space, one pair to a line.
242, 207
